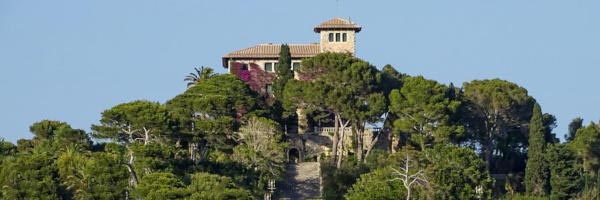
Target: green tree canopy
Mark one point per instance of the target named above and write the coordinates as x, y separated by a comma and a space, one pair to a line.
349, 89
565, 172
201, 74
449, 173
573, 127
587, 146
6, 149
261, 147
549, 123
109, 178
423, 111
390, 79
376, 185
496, 111
394, 177
46, 129
98, 175
159, 186
30, 176
59, 133
127, 123
206, 186
458, 173
207, 114
131, 124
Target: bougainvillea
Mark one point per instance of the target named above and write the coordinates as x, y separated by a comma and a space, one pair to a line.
256, 78
241, 71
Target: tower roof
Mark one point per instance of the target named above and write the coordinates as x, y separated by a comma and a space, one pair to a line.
338, 24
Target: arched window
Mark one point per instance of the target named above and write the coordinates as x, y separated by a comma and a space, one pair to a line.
337, 37
343, 37
331, 37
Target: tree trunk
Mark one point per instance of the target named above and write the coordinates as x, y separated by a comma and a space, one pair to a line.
372, 145
192, 150
488, 146
406, 177
334, 146
359, 142
341, 149
146, 136
488, 151
134, 179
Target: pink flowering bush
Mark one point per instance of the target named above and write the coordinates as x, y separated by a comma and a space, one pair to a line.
256, 78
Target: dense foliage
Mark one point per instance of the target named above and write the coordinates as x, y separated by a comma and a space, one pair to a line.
448, 172
536, 171
227, 137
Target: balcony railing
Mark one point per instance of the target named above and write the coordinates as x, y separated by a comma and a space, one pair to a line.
320, 130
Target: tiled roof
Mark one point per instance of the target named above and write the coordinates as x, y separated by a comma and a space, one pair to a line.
272, 51
338, 23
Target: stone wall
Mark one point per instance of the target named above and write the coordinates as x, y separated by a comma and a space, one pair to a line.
338, 47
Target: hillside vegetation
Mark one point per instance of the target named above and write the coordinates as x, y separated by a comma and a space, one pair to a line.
225, 139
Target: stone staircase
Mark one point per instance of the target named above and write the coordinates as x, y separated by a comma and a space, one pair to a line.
303, 181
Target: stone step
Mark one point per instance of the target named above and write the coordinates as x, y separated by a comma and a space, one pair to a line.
303, 181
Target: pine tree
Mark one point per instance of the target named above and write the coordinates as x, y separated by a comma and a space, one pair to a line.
573, 127
536, 171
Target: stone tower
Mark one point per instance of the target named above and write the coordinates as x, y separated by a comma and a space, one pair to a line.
338, 35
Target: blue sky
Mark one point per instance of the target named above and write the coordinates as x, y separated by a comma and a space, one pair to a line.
70, 60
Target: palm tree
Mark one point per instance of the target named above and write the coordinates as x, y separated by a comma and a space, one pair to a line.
201, 74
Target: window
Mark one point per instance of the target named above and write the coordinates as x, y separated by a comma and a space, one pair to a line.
269, 67
269, 89
337, 37
295, 66
276, 65
244, 66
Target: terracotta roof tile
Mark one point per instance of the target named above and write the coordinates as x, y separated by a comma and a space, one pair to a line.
272, 51
338, 23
